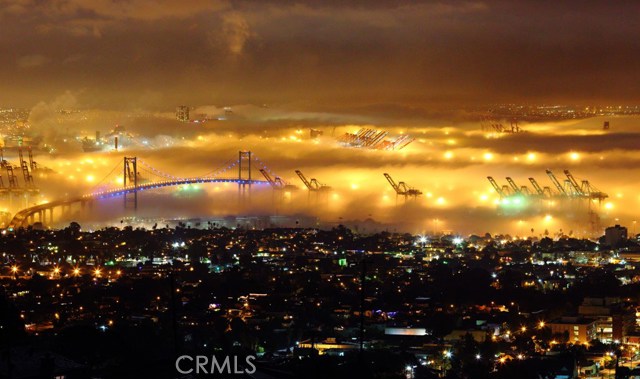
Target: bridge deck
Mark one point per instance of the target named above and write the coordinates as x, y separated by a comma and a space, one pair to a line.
22, 216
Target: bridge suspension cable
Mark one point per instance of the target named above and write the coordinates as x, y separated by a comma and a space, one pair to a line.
118, 166
156, 172
220, 170
264, 166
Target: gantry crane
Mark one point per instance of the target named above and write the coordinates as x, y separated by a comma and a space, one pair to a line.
277, 183
13, 180
28, 178
542, 192
402, 188
312, 184
586, 189
32, 163
557, 184
568, 188
572, 185
524, 190
503, 191
592, 192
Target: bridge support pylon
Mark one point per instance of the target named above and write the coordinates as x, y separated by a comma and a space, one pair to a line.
244, 175
130, 179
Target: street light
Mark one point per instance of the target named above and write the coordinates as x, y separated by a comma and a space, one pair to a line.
446, 355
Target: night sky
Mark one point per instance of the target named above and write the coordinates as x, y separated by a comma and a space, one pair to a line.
124, 54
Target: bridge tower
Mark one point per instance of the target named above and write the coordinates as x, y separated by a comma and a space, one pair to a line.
244, 173
130, 179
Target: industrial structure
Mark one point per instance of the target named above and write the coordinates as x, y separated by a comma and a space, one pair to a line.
402, 189
489, 123
375, 139
313, 185
12, 184
569, 188
276, 182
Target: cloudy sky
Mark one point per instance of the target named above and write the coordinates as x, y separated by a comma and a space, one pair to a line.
338, 66
159, 53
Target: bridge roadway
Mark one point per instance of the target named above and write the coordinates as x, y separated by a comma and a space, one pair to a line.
27, 215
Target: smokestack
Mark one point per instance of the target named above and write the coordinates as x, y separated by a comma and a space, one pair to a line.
115, 143
97, 135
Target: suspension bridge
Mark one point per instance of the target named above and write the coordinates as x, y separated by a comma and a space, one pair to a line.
138, 176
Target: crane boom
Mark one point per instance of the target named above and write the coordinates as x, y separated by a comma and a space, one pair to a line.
266, 175
556, 183
402, 188
513, 185
496, 187
32, 163
536, 186
28, 179
393, 184
306, 182
573, 183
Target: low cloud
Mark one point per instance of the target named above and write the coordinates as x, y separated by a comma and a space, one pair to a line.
236, 32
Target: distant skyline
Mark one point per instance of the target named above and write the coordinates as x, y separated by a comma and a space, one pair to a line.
158, 54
